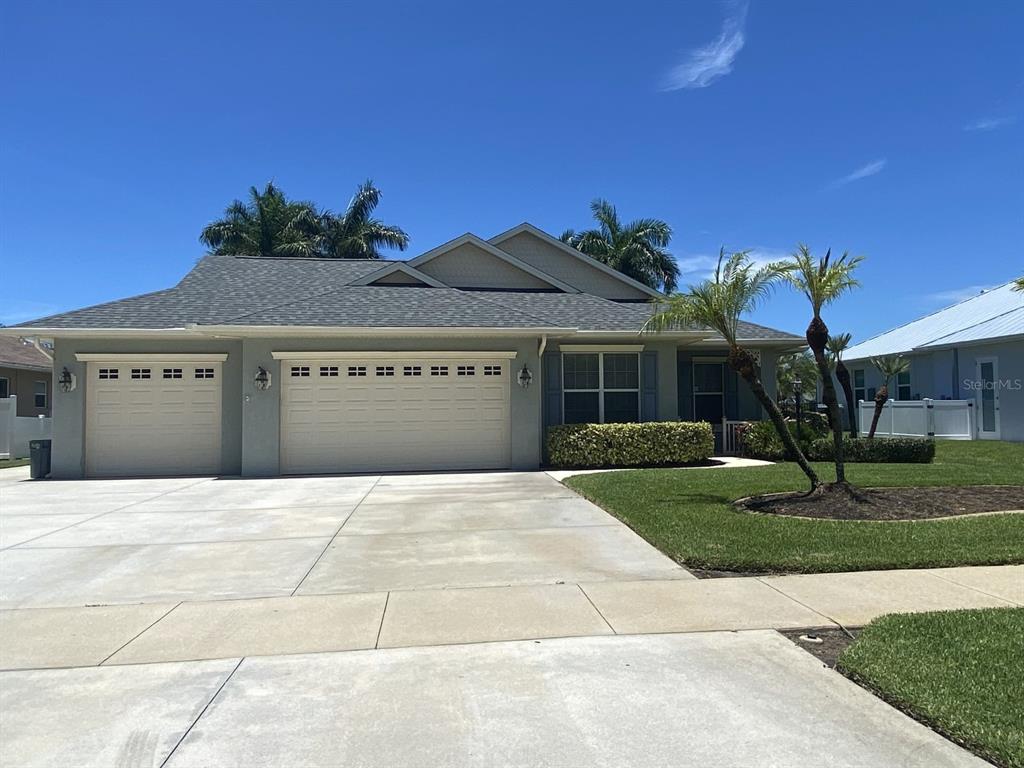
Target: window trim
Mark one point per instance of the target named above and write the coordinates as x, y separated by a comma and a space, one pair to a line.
45, 393
863, 389
7, 386
601, 390
900, 387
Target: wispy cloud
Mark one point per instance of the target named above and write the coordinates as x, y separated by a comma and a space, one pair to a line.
869, 169
698, 266
707, 63
945, 298
990, 123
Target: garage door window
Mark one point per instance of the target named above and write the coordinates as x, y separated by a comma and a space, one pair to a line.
172, 373
204, 373
492, 370
108, 373
412, 370
357, 370
300, 370
466, 370
385, 370
141, 373
439, 370
328, 370
601, 387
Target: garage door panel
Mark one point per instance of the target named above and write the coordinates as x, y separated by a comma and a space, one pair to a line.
154, 425
421, 415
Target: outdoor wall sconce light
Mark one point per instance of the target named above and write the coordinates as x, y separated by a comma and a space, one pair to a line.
262, 380
525, 377
67, 381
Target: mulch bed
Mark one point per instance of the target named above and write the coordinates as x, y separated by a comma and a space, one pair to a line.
892, 503
833, 642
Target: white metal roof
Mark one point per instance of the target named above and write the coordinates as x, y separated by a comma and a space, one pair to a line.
994, 314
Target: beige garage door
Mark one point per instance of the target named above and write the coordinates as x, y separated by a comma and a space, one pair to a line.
373, 415
153, 418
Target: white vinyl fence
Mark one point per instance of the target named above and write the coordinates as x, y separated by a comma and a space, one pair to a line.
941, 419
16, 431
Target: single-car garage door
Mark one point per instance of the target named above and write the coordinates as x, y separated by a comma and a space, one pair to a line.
153, 418
380, 414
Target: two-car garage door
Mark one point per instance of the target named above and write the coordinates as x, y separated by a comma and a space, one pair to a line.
378, 413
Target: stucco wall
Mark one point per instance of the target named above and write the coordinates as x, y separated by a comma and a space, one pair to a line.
68, 450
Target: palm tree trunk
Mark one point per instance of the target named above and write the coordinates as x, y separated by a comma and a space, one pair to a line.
881, 397
741, 361
843, 376
817, 339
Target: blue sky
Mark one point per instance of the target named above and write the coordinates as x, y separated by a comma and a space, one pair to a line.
894, 130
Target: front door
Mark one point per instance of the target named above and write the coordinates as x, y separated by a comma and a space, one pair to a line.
709, 396
987, 398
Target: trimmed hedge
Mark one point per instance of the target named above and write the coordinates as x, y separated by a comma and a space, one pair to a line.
649, 444
878, 450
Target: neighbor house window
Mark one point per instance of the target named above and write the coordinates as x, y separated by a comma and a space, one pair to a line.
600, 387
903, 385
5, 388
39, 390
859, 390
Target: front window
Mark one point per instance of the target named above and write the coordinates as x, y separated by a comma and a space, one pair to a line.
39, 391
601, 387
903, 385
5, 388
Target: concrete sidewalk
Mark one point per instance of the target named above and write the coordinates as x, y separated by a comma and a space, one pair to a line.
721, 698
186, 631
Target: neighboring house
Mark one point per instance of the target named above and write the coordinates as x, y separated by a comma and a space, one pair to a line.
973, 350
25, 373
456, 359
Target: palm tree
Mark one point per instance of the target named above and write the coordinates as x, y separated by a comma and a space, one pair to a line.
836, 346
268, 225
890, 366
636, 249
355, 234
793, 366
737, 288
1018, 284
823, 281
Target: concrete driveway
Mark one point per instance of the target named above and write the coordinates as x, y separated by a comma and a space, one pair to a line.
450, 620
77, 543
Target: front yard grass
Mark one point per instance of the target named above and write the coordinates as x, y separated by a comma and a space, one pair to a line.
960, 672
688, 514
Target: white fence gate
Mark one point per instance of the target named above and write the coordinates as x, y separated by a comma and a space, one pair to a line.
941, 419
16, 431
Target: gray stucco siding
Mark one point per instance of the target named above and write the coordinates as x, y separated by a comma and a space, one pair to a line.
69, 412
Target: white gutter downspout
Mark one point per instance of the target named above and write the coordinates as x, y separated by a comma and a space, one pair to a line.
543, 345
39, 347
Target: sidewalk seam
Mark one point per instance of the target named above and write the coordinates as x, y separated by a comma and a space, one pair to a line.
798, 602
140, 634
594, 606
380, 629
203, 712
960, 584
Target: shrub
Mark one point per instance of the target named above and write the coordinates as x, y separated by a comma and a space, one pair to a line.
648, 444
760, 440
885, 450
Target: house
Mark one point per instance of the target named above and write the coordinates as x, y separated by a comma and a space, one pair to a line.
26, 374
973, 351
456, 359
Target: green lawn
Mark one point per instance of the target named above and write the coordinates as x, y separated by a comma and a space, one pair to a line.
961, 672
688, 515
5, 463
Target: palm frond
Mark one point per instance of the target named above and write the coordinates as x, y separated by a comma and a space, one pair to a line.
822, 281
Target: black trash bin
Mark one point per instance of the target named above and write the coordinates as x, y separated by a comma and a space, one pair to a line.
39, 459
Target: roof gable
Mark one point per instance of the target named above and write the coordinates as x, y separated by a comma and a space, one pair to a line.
399, 273
539, 249
470, 262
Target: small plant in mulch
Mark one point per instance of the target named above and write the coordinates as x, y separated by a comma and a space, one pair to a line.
891, 503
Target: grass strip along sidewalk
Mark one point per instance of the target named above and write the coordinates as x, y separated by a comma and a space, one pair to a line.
688, 514
960, 672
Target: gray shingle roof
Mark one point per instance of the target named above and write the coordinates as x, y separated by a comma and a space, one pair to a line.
231, 290
14, 353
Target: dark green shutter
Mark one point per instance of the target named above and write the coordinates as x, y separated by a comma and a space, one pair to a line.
684, 372
649, 386
552, 365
